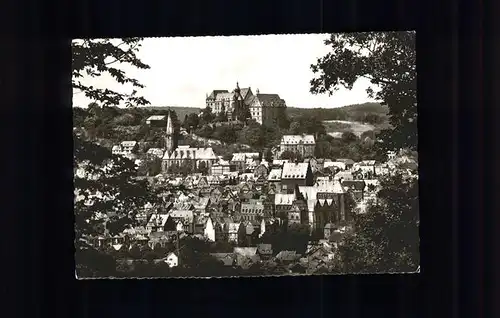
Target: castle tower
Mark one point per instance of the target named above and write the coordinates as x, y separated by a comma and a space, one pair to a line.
169, 135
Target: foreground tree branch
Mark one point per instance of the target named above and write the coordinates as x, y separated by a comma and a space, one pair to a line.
388, 60
92, 58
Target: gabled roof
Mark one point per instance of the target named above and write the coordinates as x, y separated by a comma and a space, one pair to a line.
346, 161
157, 117
157, 219
269, 100
298, 139
275, 175
224, 95
245, 251
183, 214
129, 143
266, 249
283, 199
294, 170
358, 185
333, 186
156, 151
216, 92
186, 152
287, 255
226, 258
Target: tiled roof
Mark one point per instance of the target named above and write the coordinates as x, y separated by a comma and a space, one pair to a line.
346, 161
283, 199
244, 92
226, 258
157, 117
309, 192
223, 96
234, 227
184, 214
298, 139
157, 219
269, 100
329, 187
216, 92
191, 153
367, 162
358, 185
294, 170
287, 255
131, 143
265, 249
344, 175
280, 162
156, 151
245, 251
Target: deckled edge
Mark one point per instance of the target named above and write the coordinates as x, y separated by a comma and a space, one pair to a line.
417, 271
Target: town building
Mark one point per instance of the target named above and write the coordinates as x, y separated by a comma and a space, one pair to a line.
264, 108
194, 156
156, 121
229, 102
157, 152
296, 174
125, 148
300, 144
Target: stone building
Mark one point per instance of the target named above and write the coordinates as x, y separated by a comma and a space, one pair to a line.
264, 108
301, 144
230, 102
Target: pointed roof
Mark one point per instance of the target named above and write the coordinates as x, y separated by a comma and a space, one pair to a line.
170, 125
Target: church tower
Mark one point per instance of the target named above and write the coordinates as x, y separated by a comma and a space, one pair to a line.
169, 135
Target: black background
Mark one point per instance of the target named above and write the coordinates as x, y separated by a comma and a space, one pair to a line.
37, 251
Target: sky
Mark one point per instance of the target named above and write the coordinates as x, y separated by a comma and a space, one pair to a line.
185, 69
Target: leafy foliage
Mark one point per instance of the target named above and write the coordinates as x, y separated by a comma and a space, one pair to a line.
149, 166
386, 237
388, 59
96, 57
107, 195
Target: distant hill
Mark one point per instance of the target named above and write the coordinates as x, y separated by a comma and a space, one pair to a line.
349, 112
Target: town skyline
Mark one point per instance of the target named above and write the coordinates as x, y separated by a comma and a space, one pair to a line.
201, 64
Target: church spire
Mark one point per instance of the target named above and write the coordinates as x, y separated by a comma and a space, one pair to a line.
170, 126
169, 134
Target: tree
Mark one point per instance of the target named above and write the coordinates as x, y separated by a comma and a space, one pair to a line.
268, 155
207, 116
373, 119
203, 168
307, 124
252, 135
349, 137
107, 195
192, 123
222, 116
149, 166
186, 167
386, 237
226, 134
388, 60
96, 57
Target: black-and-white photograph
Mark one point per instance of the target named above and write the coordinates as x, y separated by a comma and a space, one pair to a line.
229, 156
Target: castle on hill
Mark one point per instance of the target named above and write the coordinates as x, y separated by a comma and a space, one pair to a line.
264, 108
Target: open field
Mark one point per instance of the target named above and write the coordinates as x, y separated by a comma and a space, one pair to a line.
334, 127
